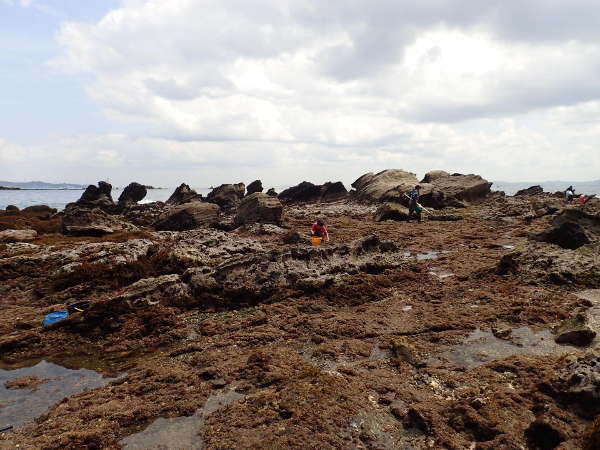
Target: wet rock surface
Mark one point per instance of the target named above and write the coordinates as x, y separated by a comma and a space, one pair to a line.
393, 335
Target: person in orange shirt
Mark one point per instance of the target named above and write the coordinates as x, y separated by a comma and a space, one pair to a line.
319, 229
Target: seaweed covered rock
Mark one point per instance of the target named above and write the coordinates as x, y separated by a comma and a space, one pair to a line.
183, 194
227, 196
132, 194
189, 216
259, 208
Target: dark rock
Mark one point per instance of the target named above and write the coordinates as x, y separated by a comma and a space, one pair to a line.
391, 211
272, 192
574, 330
227, 196
533, 190
81, 221
132, 193
307, 192
255, 186
97, 196
41, 211
189, 216
568, 235
12, 208
259, 208
143, 215
543, 436
183, 194
292, 237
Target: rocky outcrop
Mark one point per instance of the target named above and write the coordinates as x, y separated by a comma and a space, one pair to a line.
99, 196
80, 221
533, 190
183, 194
433, 175
391, 211
255, 186
12, 208
143, 215
575, 330
259, 208
456, 190
272, 192
17, 235
386, 186
307, 192
39, 211
189, 216
132, 194
571, 229
441, 190
227, 196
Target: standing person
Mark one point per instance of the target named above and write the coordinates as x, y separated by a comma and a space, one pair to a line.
413, 203
319, 229
569, 194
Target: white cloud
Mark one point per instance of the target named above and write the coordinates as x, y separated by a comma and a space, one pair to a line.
288, 84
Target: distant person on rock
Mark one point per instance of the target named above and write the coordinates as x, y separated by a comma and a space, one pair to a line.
569, 194
413, 203
319, 229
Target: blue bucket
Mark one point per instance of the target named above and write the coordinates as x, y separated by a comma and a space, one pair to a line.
55, 317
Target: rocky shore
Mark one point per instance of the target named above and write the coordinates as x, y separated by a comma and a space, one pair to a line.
215, 324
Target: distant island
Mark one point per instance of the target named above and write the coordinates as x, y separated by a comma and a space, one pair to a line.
39, 185
6, 188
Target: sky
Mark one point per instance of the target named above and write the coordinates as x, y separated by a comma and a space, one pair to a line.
209, 92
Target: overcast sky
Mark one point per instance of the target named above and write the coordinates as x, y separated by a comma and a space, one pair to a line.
208, 92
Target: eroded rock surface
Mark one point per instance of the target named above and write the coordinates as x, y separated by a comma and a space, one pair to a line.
133, 193
183, 194
227, 196
259, 208
189, 216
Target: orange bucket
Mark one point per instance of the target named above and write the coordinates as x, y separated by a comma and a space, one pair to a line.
316, 240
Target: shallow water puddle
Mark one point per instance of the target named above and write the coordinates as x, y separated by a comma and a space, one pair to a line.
179, 432
427, 255
20, 406
481, 347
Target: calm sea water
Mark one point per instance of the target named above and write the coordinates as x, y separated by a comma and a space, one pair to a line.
58, 198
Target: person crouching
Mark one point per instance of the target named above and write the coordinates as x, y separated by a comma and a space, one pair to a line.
319, 229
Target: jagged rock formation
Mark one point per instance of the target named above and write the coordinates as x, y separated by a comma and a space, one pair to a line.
255, 186
189, 216
307, 192
259, 208
227, 196
183, 194
533, 190
132, 194
97, 196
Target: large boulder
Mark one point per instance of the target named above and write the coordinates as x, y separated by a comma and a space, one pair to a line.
433, 175
255, 186
533, 190
227, 196
272, 192
97, 195
456, 190
183, 194
391, 211
39, 211
80, 221
259, 208
386, 186
132, 194
307, 192
571, 229
189, 216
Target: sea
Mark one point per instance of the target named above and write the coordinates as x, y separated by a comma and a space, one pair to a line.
58, 198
